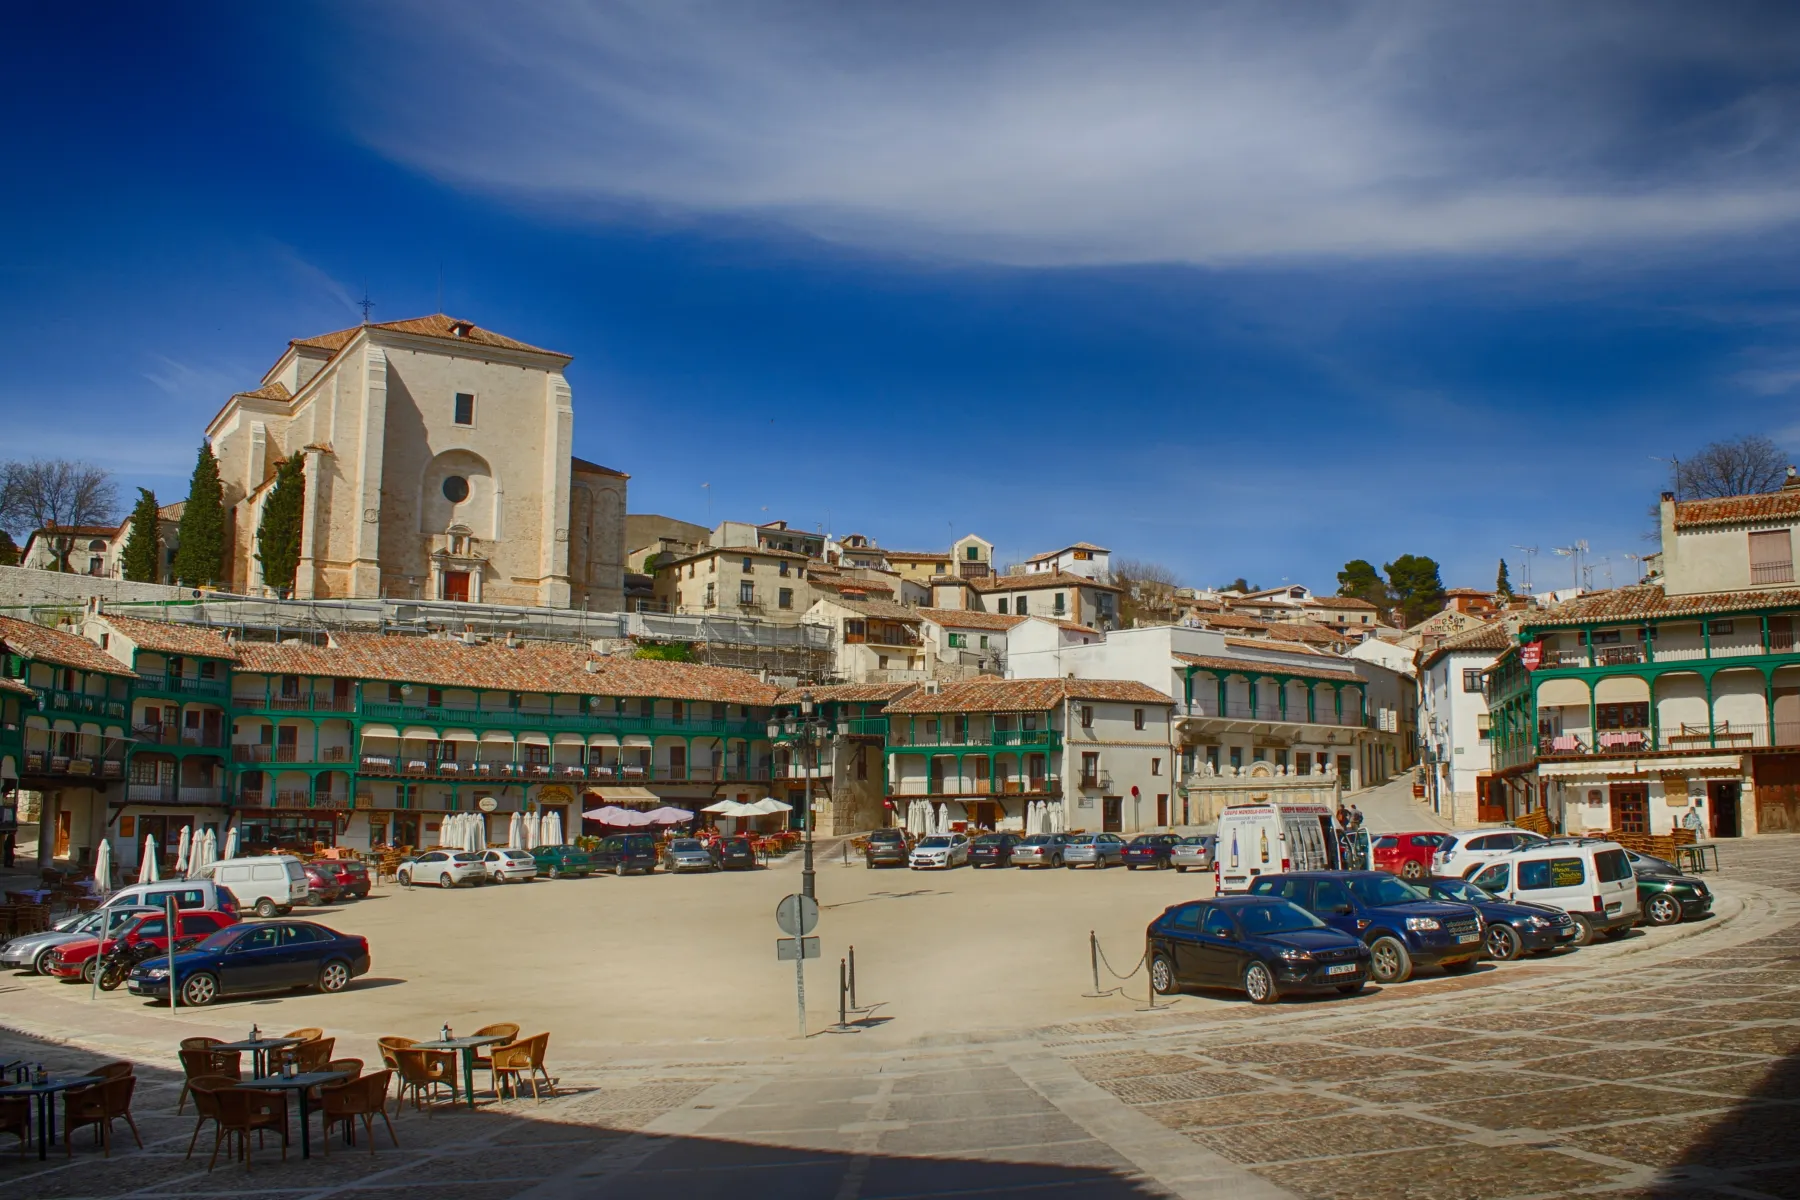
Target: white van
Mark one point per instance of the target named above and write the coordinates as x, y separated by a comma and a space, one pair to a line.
1592, 881
271, 885
201, 894
1267, 839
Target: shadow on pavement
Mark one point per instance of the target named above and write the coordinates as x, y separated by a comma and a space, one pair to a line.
1755, 1143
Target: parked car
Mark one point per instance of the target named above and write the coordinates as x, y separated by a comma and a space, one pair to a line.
1096, 850
350, 876
1590, 880
77, 960
271, 884
264, 957
321, 885
940, 850
559, 862
1466, 850
738, 854
1408, 855
1268, 838
886, 848
1149, 850
1671, 899
623, 853
508, 865
992, 850
1649, 864
32, 951
1402, 926
205, 891
445, 868
1260, 945
1193, 853
688, 854
1041, 850
1510, 929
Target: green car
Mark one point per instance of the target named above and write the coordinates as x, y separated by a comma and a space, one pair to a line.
556, 861
1671, 899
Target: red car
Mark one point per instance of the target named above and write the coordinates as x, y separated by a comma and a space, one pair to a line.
76, 960
350, 877
1407, 855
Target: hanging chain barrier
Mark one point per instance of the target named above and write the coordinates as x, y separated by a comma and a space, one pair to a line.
1097, 959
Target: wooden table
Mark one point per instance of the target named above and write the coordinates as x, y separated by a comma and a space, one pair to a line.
46, 1097
1693, 857
303, 1084
259, 1050
467, 1046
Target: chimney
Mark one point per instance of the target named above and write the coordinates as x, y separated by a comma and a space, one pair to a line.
1792, 482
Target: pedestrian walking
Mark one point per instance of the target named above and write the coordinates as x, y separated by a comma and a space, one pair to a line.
1356, 817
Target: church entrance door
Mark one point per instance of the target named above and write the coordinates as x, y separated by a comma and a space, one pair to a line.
456, 585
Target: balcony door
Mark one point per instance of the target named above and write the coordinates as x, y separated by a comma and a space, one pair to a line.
456, 585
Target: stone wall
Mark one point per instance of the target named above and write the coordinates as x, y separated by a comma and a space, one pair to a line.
1258, 783
26, 586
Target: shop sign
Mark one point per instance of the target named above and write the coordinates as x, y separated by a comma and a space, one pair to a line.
555, 795
487, 804
1531, 655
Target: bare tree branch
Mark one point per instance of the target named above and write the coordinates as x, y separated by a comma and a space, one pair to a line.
43, 493
1149, 594
1739, 467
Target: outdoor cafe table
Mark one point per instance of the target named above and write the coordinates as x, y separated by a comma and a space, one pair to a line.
467, 1046
46, 1095
302, 1083
259, 1050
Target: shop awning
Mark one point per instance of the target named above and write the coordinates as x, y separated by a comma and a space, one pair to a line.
497, 735
1621, 689
626, 795
1554, 693
534, 739
636, 739
420, 733
602, 739
570, 739
380, 731
460, 735
1641, 768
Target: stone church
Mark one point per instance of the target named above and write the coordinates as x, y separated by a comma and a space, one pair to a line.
437, 465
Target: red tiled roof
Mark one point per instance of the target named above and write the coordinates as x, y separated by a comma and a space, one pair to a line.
437, 325
1066, 549
880, 610
852, 693
15, 687
1730, 510
1025, 695
1248, 666
56, 646
275, 390
170, 637
969, 618
1226, 620
1341, 602
582, 464
1304, 631
1647, 602
1030, 583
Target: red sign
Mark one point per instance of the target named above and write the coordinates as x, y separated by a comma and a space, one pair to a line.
1532, 655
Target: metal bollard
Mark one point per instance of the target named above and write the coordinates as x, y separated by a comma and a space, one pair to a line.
853, 1005
843, 991
1094, 965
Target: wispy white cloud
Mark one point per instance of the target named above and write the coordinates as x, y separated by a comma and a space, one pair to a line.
1068, 134
315, 277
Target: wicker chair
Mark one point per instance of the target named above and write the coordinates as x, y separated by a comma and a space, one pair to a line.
292, 1053
313, 1055
387, 1046
365, 1098
523, 1062
504, 1029
423, 1072
15, 1118
206, 1105
199, 1062
244, 1111
100, 1105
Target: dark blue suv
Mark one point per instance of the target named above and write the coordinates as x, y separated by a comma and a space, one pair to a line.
1401, 925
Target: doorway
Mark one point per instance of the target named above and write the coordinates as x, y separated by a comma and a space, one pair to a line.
1777, 793
65, 824
456, 585
1630, 808
1722, 796
1112, 814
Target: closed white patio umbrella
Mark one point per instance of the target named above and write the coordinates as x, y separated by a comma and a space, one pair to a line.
515, 833
553, 831
206, 852
478, 823
231, 843
147, 872
103, 866
181, 853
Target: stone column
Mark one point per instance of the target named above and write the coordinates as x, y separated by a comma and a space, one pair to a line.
553, 532
365, 570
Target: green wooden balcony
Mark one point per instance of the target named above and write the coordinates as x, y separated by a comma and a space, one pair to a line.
902, 740
525, 719
177, 685
55, 701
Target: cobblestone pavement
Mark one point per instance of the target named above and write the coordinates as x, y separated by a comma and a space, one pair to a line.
1659, 1066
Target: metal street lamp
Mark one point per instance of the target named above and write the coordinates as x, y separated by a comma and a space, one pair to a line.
807, 730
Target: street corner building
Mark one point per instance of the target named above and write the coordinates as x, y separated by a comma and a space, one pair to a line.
438, 466
1666, 709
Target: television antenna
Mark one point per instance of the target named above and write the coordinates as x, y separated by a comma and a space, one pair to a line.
1528, 552
1639, 560
1574, 554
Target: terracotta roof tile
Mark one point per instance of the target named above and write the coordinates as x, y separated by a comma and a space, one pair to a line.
1024, 695
1304, 631
1071, 546
1244, 666
437, 325
1227, 620
1730, 510
582, 464
57, 646
15, 687
1340, 602
275, 390
1030, 583
1648, 602
170, 637
851, 693
880, 610
969, 618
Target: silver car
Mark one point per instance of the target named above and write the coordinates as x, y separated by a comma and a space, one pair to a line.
1097, 850
1194, 853
689, 854
1040, 850
32, 951
509, 865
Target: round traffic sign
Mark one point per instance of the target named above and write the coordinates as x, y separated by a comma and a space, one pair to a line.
797, 915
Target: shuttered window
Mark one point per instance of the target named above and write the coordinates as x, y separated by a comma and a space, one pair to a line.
1772, 557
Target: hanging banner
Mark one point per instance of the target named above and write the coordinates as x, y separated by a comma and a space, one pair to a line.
1531, 655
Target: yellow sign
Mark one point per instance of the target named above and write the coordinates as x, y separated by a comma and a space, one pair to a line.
555, 795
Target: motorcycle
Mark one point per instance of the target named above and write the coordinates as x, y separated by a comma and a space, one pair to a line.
117, 964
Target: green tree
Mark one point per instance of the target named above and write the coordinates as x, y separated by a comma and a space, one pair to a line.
1503, 582
200, 558
142, 559
1360, 580
1417, 590
9, 550
278, 535
664, 651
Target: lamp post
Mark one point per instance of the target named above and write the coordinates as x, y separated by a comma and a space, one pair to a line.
805, 731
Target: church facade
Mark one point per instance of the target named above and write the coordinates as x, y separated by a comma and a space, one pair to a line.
437, 465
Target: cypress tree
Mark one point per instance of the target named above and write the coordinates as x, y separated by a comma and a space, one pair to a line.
142, 544
1503, 584
200, 559
278, 536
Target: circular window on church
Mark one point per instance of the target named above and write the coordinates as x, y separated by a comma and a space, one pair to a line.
456, 489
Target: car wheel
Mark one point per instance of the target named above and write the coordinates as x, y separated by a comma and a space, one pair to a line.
1616, 932
1162, 976
619, 870
1413, 869
1388, 960
1259, 984
265, 908
334, 976
1663, 910
1131, 866
1584, 932
1350, 989
1180, 870
1503, 944
41, 964
89, 970
445, 882
553, 873
199, 990
403, 878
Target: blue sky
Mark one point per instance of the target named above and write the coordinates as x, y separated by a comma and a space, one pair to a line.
1241, 289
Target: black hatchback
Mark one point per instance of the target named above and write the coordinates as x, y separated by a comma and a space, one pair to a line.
992, 850
1150, 850
625, 853
738, 854
1509, 928
1262, 946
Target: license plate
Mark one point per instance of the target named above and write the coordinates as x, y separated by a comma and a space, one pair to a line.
1615, 906
1468, 937
1341, 969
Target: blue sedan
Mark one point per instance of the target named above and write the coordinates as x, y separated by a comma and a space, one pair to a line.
265, 957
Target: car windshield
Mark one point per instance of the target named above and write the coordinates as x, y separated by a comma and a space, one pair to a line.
935, 843
1039, 839
1196, 841
1461, 889
225, 937
467, 856
1148, 839
79, 923
887, 835
1282, 916
989, 839
686, 844
1384, 890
